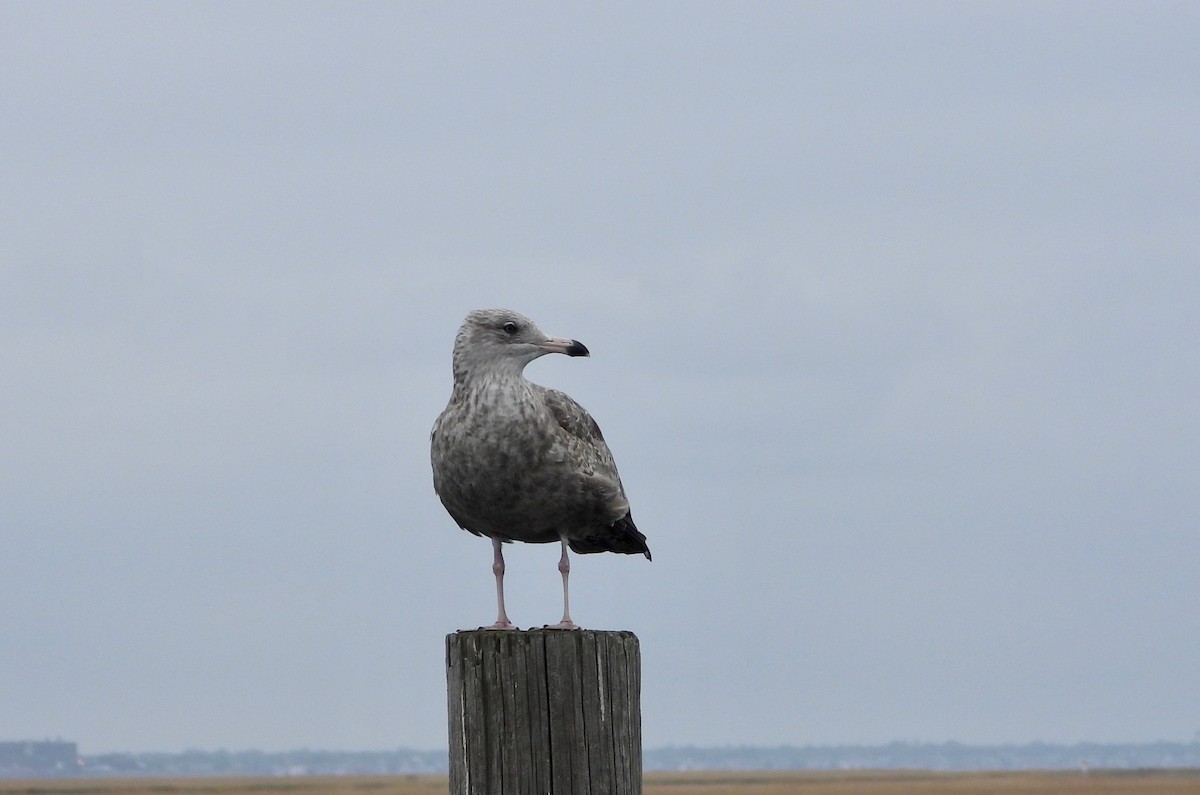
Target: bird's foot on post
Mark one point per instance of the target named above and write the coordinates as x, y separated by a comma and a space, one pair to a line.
505, 624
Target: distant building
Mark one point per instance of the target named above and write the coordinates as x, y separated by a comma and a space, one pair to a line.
38, 758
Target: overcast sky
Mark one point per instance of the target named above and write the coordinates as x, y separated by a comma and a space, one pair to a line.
893, 319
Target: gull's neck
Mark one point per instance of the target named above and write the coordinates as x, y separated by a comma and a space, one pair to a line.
479, 370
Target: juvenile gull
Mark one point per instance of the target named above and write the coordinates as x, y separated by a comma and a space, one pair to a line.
515, 461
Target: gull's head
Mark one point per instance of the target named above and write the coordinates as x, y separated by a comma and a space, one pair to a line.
506, 340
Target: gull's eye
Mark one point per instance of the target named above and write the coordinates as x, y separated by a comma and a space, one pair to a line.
510, 328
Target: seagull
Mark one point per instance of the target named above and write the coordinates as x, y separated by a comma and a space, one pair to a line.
516, 461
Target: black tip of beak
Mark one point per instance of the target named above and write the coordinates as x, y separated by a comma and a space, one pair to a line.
577, 348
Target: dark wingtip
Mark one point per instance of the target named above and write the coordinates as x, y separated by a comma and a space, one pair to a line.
622, 536
577, 348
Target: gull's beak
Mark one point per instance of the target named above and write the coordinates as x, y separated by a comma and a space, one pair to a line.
561, 345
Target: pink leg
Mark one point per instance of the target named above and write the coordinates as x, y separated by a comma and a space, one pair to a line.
502, 621
564, 568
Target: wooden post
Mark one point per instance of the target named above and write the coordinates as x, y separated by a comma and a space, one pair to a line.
544, 712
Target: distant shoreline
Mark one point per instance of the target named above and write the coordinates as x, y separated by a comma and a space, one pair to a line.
861, 782
60, 759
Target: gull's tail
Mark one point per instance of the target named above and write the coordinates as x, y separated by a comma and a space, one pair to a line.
621, 536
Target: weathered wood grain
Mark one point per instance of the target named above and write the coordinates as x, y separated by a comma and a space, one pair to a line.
544, 712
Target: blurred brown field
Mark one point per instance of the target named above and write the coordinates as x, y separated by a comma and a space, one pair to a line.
1139, 782
883, 782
